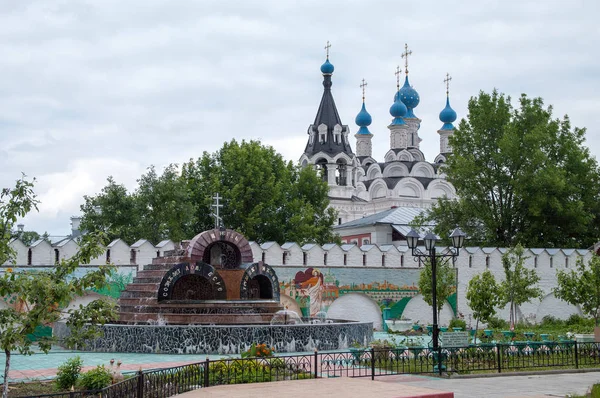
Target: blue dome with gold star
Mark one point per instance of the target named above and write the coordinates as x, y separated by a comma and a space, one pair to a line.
447, 116
327, 68
409, 96
363, 119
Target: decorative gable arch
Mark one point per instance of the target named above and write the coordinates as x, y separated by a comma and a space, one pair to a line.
422, 169
396, 169
405, 156
409, 187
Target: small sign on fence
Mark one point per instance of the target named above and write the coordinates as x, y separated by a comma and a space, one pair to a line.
455, 339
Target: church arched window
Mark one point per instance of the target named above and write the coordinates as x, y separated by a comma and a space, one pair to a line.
340, 178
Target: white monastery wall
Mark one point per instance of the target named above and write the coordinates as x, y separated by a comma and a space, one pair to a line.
470, 262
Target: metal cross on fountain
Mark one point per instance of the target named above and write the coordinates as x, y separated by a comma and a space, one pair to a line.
217, 206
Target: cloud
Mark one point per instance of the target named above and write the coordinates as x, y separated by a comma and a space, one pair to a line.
93, 88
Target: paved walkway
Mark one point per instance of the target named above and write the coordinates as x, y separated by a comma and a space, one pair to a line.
550, 385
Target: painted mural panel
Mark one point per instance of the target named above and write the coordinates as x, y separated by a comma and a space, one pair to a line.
116, 282
316, 288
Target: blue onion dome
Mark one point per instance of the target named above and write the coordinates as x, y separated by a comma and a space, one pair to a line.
409, 96
398, 109
327, 67
447, 116
363, 119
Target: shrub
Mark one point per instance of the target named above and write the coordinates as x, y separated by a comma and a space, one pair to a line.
68, 373
497, 323
96, 378
457, 323
258, 350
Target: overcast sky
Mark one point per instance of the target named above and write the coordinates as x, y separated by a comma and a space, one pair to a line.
90, 89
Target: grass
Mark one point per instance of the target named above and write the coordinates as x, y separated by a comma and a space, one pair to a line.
595, 393
33, 388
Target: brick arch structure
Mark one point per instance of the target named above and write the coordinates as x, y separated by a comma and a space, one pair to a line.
198, 245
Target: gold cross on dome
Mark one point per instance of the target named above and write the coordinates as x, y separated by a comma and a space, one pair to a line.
405, 55
397, 73
327, 47
447, 81
363, 85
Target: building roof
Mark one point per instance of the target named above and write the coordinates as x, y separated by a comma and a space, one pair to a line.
140, 243
396, 216
62, 242
163, 243
114, 242
328, 115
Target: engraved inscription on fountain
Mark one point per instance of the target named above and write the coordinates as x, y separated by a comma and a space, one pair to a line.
213, 281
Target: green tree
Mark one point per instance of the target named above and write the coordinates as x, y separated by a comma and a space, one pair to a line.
112, 211
445, 281
28, 237
265, 197
483, 296
44, 293
521, 176
582, 287
520, 284
163, 205
14, 203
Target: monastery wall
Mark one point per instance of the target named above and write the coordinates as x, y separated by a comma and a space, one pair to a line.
354, 282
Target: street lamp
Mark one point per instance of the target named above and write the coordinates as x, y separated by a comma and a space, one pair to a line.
458, 239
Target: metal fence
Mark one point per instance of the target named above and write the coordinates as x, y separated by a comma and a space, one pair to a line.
371, 362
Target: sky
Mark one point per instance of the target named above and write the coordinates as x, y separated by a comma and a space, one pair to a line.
91, 89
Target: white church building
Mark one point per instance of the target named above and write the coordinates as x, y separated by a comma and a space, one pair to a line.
360, 185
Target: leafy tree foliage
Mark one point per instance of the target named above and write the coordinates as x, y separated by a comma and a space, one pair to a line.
27, 237
582, 287
14, 203
445, 281
264, 197
112, 211
520, 284
36, 298
483, 296
521, 177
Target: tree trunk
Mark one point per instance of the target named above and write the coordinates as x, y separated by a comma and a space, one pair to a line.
6, 369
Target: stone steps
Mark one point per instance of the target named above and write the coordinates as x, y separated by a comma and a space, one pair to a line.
151, 305
194, 319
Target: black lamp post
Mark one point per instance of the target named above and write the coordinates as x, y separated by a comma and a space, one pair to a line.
430, 239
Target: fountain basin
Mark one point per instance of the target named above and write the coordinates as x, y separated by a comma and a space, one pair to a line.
399, 325
224, 339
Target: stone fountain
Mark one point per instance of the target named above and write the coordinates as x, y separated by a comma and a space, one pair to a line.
210, 297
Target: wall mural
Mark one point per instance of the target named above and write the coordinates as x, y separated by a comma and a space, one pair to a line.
316, 288
313, 288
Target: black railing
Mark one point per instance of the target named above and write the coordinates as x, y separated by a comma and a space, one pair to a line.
365, 362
